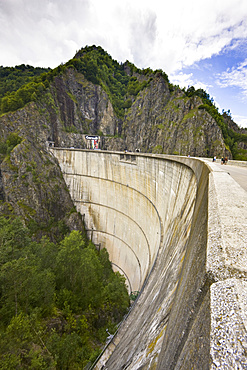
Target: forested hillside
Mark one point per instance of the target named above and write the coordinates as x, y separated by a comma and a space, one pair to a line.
13, 78
149, 112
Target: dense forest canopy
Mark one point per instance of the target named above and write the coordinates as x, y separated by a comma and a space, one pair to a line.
56, 300
12, 78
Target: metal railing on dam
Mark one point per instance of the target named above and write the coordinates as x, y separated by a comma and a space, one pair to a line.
176, 228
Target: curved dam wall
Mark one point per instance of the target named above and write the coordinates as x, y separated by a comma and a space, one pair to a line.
128, 202
176, 228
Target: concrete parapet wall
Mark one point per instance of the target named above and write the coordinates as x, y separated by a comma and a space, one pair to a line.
176, 228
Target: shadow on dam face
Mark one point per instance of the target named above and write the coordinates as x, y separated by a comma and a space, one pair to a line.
167, 228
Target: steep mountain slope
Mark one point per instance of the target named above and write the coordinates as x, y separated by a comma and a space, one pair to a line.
32, 186
93, 94
56, 299
165, 122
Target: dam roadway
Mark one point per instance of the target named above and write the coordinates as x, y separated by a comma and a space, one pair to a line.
176, 227
238, 173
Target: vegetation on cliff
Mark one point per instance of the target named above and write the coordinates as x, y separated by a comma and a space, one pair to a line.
12, 78
18, 86
6, 146
231, 137
94, 63
122, 83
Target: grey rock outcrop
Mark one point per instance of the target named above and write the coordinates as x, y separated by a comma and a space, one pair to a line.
159, 120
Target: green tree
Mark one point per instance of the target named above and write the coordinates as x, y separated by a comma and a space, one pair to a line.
116, 296
80, 272
22, 346
69, 260
14, 237
24, 287
56, 300
91, 277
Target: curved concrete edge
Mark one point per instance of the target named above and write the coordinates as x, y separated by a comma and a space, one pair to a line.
227, 222
153, 319
117, 248
186, 342
216, 327
100, 214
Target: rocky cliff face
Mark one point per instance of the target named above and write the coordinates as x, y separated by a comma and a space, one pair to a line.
77, 107
31, 183
159, 120
162, 122
240, 145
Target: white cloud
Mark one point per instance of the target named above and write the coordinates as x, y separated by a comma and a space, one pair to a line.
193, 30
182, 79
240, 120
186, 80
157, 34
235, 77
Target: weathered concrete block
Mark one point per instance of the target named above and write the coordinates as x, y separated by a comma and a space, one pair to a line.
228, 339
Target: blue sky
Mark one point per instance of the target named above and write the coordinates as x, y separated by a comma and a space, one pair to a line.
196, 42
224, 77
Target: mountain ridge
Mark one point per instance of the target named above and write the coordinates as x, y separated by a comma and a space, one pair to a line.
129, 108
115, 92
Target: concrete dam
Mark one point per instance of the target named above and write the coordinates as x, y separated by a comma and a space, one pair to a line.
176, 228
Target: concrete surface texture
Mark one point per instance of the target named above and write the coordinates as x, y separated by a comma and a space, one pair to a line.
239, 174
176, 228
237, 170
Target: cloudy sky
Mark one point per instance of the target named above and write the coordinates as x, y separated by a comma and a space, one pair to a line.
196, 42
